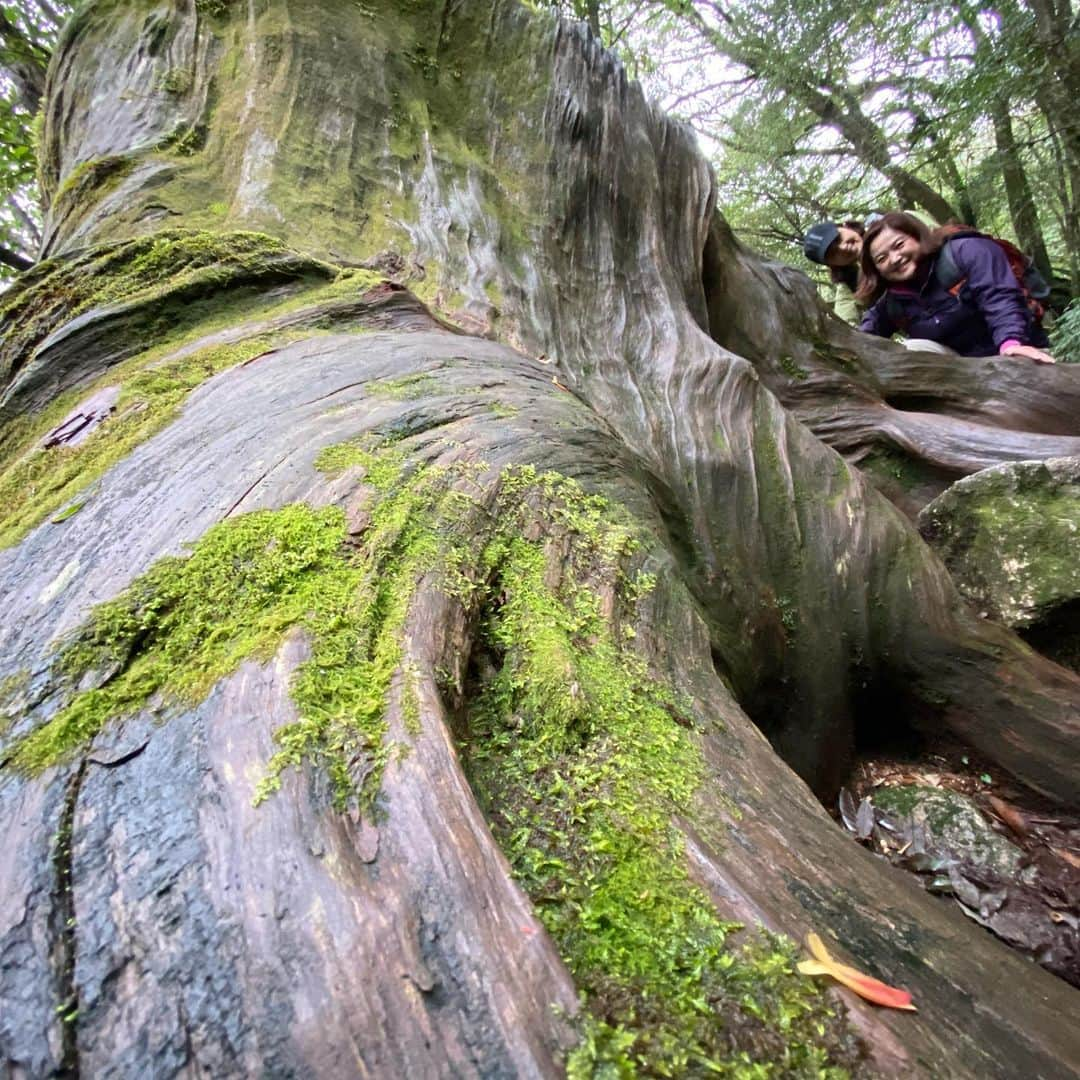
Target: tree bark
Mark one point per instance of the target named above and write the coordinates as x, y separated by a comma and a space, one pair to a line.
948, 170
1054, 93
1025, 218
584, 534
1018, 194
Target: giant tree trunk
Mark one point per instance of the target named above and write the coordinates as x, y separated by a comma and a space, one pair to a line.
434, 752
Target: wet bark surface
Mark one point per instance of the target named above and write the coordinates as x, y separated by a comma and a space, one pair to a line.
621, 337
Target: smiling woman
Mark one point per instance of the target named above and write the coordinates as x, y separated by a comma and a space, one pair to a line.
895, 254
838, 247
957, 289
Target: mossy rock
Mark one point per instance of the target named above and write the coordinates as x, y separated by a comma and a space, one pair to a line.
948, 825
1009, 537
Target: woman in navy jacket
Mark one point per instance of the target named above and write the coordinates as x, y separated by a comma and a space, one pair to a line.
987, 315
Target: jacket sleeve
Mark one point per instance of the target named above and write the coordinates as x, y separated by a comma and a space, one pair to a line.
992, 288
876, 321
844, 304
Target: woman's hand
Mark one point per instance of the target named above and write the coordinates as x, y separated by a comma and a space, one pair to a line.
1028, 351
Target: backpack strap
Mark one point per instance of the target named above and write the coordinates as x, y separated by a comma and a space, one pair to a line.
1029, 279
947, 272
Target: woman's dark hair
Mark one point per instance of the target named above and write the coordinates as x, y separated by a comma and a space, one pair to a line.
847, 275
871, 284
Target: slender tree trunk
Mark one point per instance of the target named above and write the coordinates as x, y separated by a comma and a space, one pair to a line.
14, 259
1025, 218
1022, 208
592, 15
1056, 93
1055, 32
947, 168
1068, 159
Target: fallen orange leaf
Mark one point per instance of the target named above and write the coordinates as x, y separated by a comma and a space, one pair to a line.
863, 985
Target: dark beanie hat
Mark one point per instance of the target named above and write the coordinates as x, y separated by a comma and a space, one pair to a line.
816, 242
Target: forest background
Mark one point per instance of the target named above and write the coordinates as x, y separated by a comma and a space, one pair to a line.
809, 109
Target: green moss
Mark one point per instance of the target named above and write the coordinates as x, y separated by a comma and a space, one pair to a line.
37, 482
189, 621
11, 685
167, 273
844, 359
951, 824
175, 81
407, 388
580, 757
12, 688
943, 808
67, 512
789, 614
1008, 537
494, 294
441, 95
894, 467
186, 139
1025, 542
410, 701
781, 496
92, 175
216, 9
581, 760
177, 265
791, 369
177, 255
901, 799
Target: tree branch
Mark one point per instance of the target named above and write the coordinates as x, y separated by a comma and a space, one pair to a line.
14, 259
26, 220
24, 62
50, 13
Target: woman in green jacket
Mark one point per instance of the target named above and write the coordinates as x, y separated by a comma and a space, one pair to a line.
838, 247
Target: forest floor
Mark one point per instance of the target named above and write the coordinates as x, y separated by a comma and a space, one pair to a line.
1008, 857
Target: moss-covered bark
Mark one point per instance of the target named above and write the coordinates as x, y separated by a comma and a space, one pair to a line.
488, 609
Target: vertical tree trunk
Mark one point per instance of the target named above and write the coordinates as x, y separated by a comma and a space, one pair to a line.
1022, 210
947, 168
1061, 121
